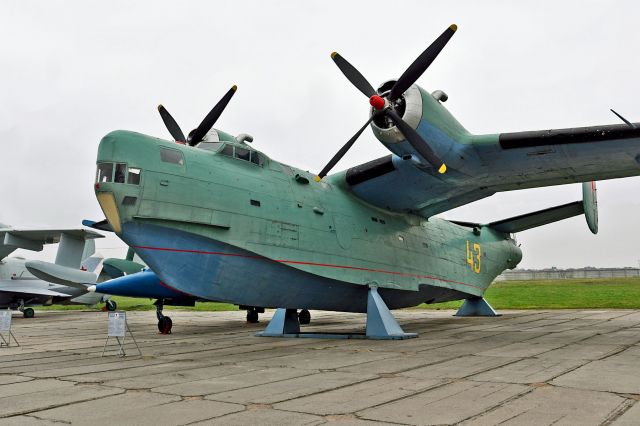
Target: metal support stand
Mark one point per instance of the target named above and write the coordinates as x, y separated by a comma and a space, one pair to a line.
380, 324
284, 322
476, 307
5, 330
120, 334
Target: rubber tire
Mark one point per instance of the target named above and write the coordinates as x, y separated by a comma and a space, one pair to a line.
304, 317
111, 305
252, 316
28, 313
164, 325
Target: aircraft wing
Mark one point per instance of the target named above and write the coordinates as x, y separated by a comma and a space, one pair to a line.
34, 239
7, 286
484, 165
59, 274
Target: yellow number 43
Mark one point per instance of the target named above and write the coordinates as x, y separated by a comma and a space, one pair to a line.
474, 254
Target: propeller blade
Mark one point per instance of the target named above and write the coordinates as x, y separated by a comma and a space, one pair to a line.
353, 75
342, 151
171, 124
417, 142
423, 61
196, 135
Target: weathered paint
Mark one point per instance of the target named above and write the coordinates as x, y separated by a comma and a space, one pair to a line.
307, 245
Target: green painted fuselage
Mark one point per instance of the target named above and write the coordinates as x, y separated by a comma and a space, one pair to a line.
212, 209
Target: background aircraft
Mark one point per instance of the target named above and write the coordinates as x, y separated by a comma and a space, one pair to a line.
20, 289
220, 220
133, 279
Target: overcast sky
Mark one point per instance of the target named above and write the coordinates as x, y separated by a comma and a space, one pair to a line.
71, 71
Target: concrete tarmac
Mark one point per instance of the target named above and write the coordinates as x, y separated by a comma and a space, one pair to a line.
526, 367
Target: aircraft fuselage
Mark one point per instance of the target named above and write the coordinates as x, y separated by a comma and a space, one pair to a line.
242, 228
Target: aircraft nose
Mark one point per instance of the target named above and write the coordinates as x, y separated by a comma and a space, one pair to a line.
120, 168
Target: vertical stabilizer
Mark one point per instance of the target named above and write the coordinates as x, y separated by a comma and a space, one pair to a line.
89, 249
70, 251
130, 254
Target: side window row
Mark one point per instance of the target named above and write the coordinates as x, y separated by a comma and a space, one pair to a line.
118, 173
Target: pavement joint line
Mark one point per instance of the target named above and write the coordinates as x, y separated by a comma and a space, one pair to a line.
209, 396
243, 387
47, 420
498, 405
617, 412
52, 406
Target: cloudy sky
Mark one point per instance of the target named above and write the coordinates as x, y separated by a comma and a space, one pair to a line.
71, 71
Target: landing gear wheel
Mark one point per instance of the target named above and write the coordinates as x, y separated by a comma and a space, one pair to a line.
252, 316
304, 316
28, 313
111, 305
164, 325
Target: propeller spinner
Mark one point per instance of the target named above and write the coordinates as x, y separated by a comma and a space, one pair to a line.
383, 103
197, 134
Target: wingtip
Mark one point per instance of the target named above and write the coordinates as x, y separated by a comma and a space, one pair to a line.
453, 27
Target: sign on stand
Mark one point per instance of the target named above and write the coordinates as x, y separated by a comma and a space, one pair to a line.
118, 328
5, 329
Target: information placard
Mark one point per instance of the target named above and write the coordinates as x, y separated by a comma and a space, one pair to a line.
5, 320
117, 324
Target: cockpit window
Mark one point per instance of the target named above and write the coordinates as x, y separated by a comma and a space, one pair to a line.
242, 154
227, 150
105, 172
257, 158
134, 176
121, 173
210, 146
171, 156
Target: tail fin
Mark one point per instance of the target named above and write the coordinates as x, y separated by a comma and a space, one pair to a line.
73, 249
130, 254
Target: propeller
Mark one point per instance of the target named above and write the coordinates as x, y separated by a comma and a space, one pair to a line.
386, 106
197, 134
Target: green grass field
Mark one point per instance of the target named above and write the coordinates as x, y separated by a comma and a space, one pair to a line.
609, 293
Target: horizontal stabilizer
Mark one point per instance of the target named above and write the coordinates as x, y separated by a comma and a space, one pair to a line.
59, 274
34, 239
539, 218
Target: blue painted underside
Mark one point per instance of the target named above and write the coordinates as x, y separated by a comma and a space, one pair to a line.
141, 284
214, 270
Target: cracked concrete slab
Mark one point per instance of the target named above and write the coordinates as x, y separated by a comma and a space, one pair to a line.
528, 370
554, 406
566, 366
356, 397
451, 403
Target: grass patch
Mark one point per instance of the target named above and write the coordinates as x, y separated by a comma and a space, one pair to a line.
604, 293
610, 293
136, 304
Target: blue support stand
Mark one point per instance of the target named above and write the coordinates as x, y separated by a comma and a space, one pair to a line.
284, 322
476, 307
380, 324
